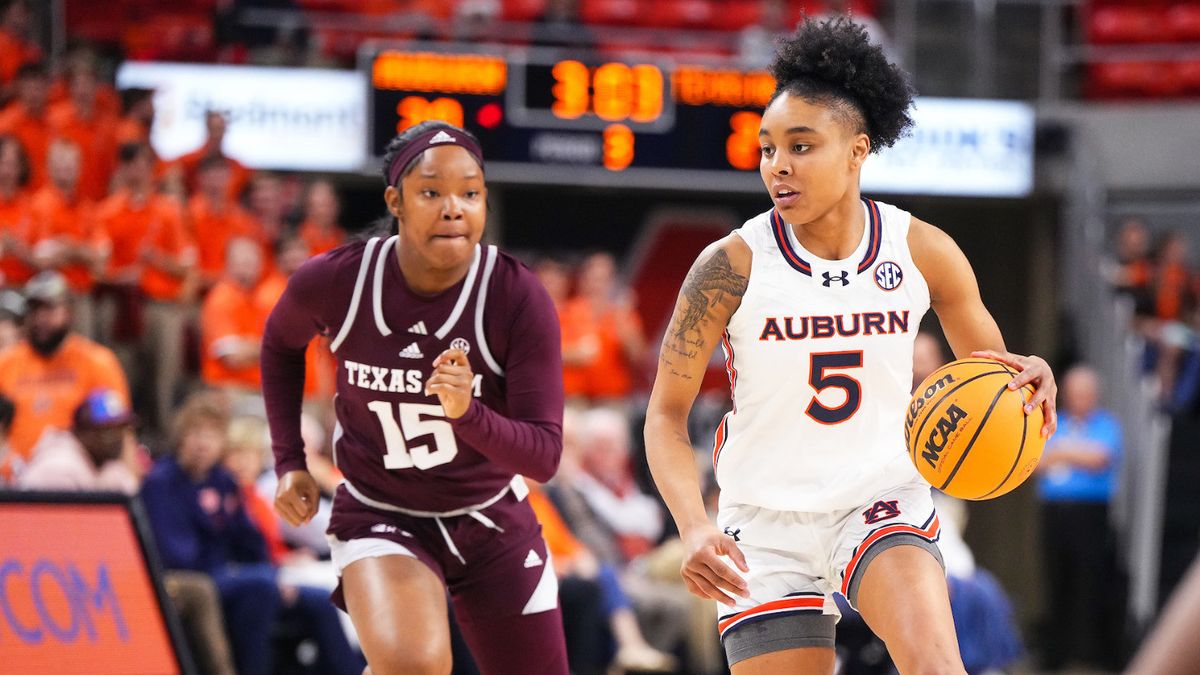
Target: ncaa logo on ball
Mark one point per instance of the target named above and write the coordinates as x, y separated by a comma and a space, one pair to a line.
888, 275
461, 343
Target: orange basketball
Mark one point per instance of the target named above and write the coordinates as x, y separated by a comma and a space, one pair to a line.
967, 432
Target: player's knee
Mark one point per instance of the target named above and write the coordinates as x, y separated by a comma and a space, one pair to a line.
413, 659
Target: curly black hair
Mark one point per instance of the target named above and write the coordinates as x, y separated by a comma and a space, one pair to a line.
405, 137
834, 63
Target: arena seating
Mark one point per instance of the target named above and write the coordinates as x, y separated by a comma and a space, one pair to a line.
1153, 24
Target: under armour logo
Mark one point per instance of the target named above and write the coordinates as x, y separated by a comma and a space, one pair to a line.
844, 278
733, 533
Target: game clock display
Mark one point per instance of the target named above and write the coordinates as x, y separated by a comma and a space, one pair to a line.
550, 107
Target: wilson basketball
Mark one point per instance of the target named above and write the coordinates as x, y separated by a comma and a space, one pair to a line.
967, 432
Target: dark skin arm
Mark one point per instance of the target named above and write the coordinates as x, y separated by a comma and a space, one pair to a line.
969, 327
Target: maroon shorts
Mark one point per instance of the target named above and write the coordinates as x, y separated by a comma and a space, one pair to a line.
502, 587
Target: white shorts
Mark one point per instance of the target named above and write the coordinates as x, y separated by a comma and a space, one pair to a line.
798, 560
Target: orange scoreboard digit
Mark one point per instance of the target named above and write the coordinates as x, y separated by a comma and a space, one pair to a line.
561, 109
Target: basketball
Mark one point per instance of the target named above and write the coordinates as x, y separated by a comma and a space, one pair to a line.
967, 432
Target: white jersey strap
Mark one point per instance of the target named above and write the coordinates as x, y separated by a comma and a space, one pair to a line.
377, 300
357, 296
461, 304
480, 338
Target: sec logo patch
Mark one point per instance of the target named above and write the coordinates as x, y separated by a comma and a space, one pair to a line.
888, 275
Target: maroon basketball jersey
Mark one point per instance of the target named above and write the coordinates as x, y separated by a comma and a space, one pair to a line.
392, 442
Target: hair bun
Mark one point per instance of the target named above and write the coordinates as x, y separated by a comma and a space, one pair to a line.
835, 57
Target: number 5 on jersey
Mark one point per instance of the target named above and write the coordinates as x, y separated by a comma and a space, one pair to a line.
818, 379
413, 424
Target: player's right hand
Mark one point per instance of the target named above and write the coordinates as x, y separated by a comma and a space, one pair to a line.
704, 571
296, 497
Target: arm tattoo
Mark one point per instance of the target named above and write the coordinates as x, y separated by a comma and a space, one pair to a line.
708, 285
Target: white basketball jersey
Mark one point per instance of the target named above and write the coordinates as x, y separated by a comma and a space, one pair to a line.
819, 356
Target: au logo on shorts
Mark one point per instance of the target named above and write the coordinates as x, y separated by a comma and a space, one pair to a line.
888, 275
881, 510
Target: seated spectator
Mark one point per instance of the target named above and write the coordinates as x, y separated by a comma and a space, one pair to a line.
66, 235
597, 497
1174, 296
1132, 269
200, 523
86, 457
11, 464
17, 47
137, 116
16, 253
81, 120
575, 565
12, 313
50, 372
215, 218
1172, 282
82, 54
320, 229
301, 554
608, 339
27, 119
151, 277
268, 207
231, 322
216, 125
607, 484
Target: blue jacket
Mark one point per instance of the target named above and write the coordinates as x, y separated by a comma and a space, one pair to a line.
1077, 485
199, 526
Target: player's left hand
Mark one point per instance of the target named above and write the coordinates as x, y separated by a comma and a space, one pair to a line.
451, 382
1031, 370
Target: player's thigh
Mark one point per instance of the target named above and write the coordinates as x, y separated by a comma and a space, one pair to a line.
530, 644
807, 660
904, 598
507, 602
398, 606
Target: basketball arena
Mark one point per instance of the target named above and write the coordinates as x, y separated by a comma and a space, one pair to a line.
167, 166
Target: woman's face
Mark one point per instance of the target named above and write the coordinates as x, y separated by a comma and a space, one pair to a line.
10, 164
201, 447
322, 206
442, 207
811, 156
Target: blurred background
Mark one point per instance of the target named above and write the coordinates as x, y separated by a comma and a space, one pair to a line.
165, 164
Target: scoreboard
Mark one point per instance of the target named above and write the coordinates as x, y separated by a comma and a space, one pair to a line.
556, 109
554, 116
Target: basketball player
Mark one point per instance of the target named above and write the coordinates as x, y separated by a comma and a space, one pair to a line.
449, 390
816, 303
